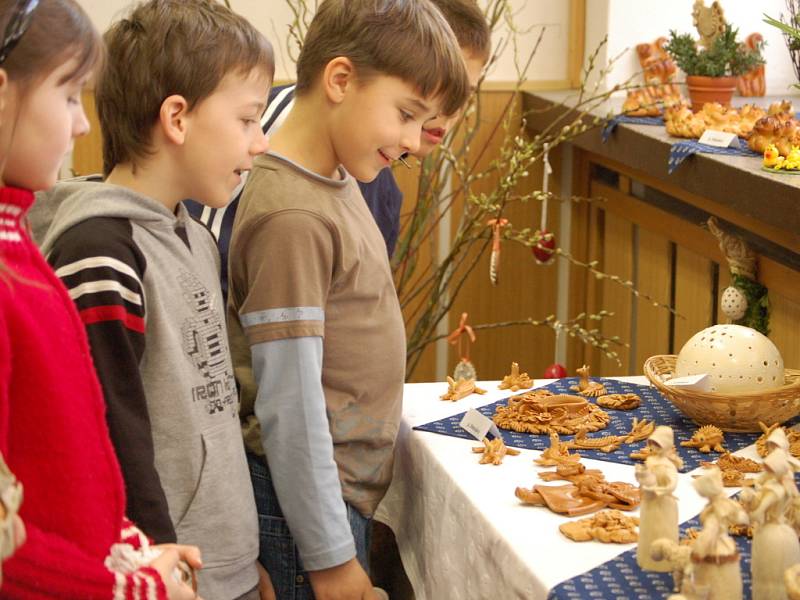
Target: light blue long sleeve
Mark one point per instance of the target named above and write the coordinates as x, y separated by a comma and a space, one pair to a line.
290, 406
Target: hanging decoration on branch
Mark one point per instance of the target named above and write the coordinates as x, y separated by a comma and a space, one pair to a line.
545, 246
494, 259
745, 301
556, 370
464, 369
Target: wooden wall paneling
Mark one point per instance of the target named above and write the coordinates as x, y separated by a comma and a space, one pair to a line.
577, 41
694, 296
579, 247
784, 238
525, 289
408, 182
87, 155
783, 325
653, 277
617, 260
594, 286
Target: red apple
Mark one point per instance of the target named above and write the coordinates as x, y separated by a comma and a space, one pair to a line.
544, 249
555, 371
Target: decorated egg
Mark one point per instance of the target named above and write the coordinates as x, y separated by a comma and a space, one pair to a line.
737, 359
733, 303
555, 371
544, 249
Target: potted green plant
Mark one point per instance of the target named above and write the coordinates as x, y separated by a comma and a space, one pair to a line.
711, 72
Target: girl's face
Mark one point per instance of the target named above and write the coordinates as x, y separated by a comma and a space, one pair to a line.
38, 128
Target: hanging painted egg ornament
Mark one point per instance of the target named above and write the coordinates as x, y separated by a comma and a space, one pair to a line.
544, 249
733, 303
555, 371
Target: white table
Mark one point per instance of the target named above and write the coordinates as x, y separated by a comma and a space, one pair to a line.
461, 532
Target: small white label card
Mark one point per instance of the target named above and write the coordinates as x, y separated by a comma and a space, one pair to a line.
478, 425
720, 139
698, 383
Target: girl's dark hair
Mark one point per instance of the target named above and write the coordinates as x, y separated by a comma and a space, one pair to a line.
59, 30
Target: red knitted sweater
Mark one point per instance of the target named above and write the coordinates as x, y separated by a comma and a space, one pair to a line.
54, 435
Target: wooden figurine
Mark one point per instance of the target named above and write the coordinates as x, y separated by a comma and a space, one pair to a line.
679, 558
792, 580
753, 82
709, 21
657, 479
706, 439
494, 451
456, 390
715, 559
775, 544
587, 387
516, 381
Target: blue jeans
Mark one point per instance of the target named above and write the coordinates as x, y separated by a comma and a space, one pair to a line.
277, 551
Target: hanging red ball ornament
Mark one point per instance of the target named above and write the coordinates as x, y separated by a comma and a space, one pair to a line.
544, 249
555, 371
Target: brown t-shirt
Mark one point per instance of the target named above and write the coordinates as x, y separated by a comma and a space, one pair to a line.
307, 259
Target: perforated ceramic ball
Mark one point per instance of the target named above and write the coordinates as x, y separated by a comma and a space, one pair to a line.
738, 359
733, 303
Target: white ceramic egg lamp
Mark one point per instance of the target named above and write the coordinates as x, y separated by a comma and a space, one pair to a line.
737, 359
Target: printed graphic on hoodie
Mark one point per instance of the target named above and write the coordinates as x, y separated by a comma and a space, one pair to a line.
204, 341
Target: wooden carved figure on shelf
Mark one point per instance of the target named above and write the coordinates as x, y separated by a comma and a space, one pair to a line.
753, 83
657, 479
456, 390
657, 65
709, 21
515, 380
715, 559
587, 387
775, 544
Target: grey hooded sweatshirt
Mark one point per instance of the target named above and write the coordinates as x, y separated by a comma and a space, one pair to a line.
146, 285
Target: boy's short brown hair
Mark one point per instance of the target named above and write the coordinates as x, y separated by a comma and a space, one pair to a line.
167, 47
408, 39
469, 24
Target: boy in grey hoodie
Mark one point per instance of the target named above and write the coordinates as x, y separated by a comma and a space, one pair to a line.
179, 103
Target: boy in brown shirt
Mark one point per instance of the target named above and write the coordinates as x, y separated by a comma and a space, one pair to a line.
316, 329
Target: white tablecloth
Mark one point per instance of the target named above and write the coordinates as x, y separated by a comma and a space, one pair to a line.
461, 532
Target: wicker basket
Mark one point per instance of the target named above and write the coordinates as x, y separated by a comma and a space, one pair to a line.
730, 412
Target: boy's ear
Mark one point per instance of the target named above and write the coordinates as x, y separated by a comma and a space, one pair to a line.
337, 78
173, 118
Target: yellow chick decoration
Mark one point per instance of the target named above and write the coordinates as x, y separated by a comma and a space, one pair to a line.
792, 160
772, 158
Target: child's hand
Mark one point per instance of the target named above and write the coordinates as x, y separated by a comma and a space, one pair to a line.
265, 589
348, 581
166, 564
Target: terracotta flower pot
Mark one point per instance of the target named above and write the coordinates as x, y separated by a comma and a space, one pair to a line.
710, 89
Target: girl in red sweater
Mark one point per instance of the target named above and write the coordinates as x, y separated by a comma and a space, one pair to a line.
53, 433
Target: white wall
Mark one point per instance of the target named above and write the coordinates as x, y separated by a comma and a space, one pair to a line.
272, 18
630, 22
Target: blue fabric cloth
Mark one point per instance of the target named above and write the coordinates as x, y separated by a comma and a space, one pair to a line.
382, 195
622, 579
680, 151
277, 551
654, 407
612, 123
